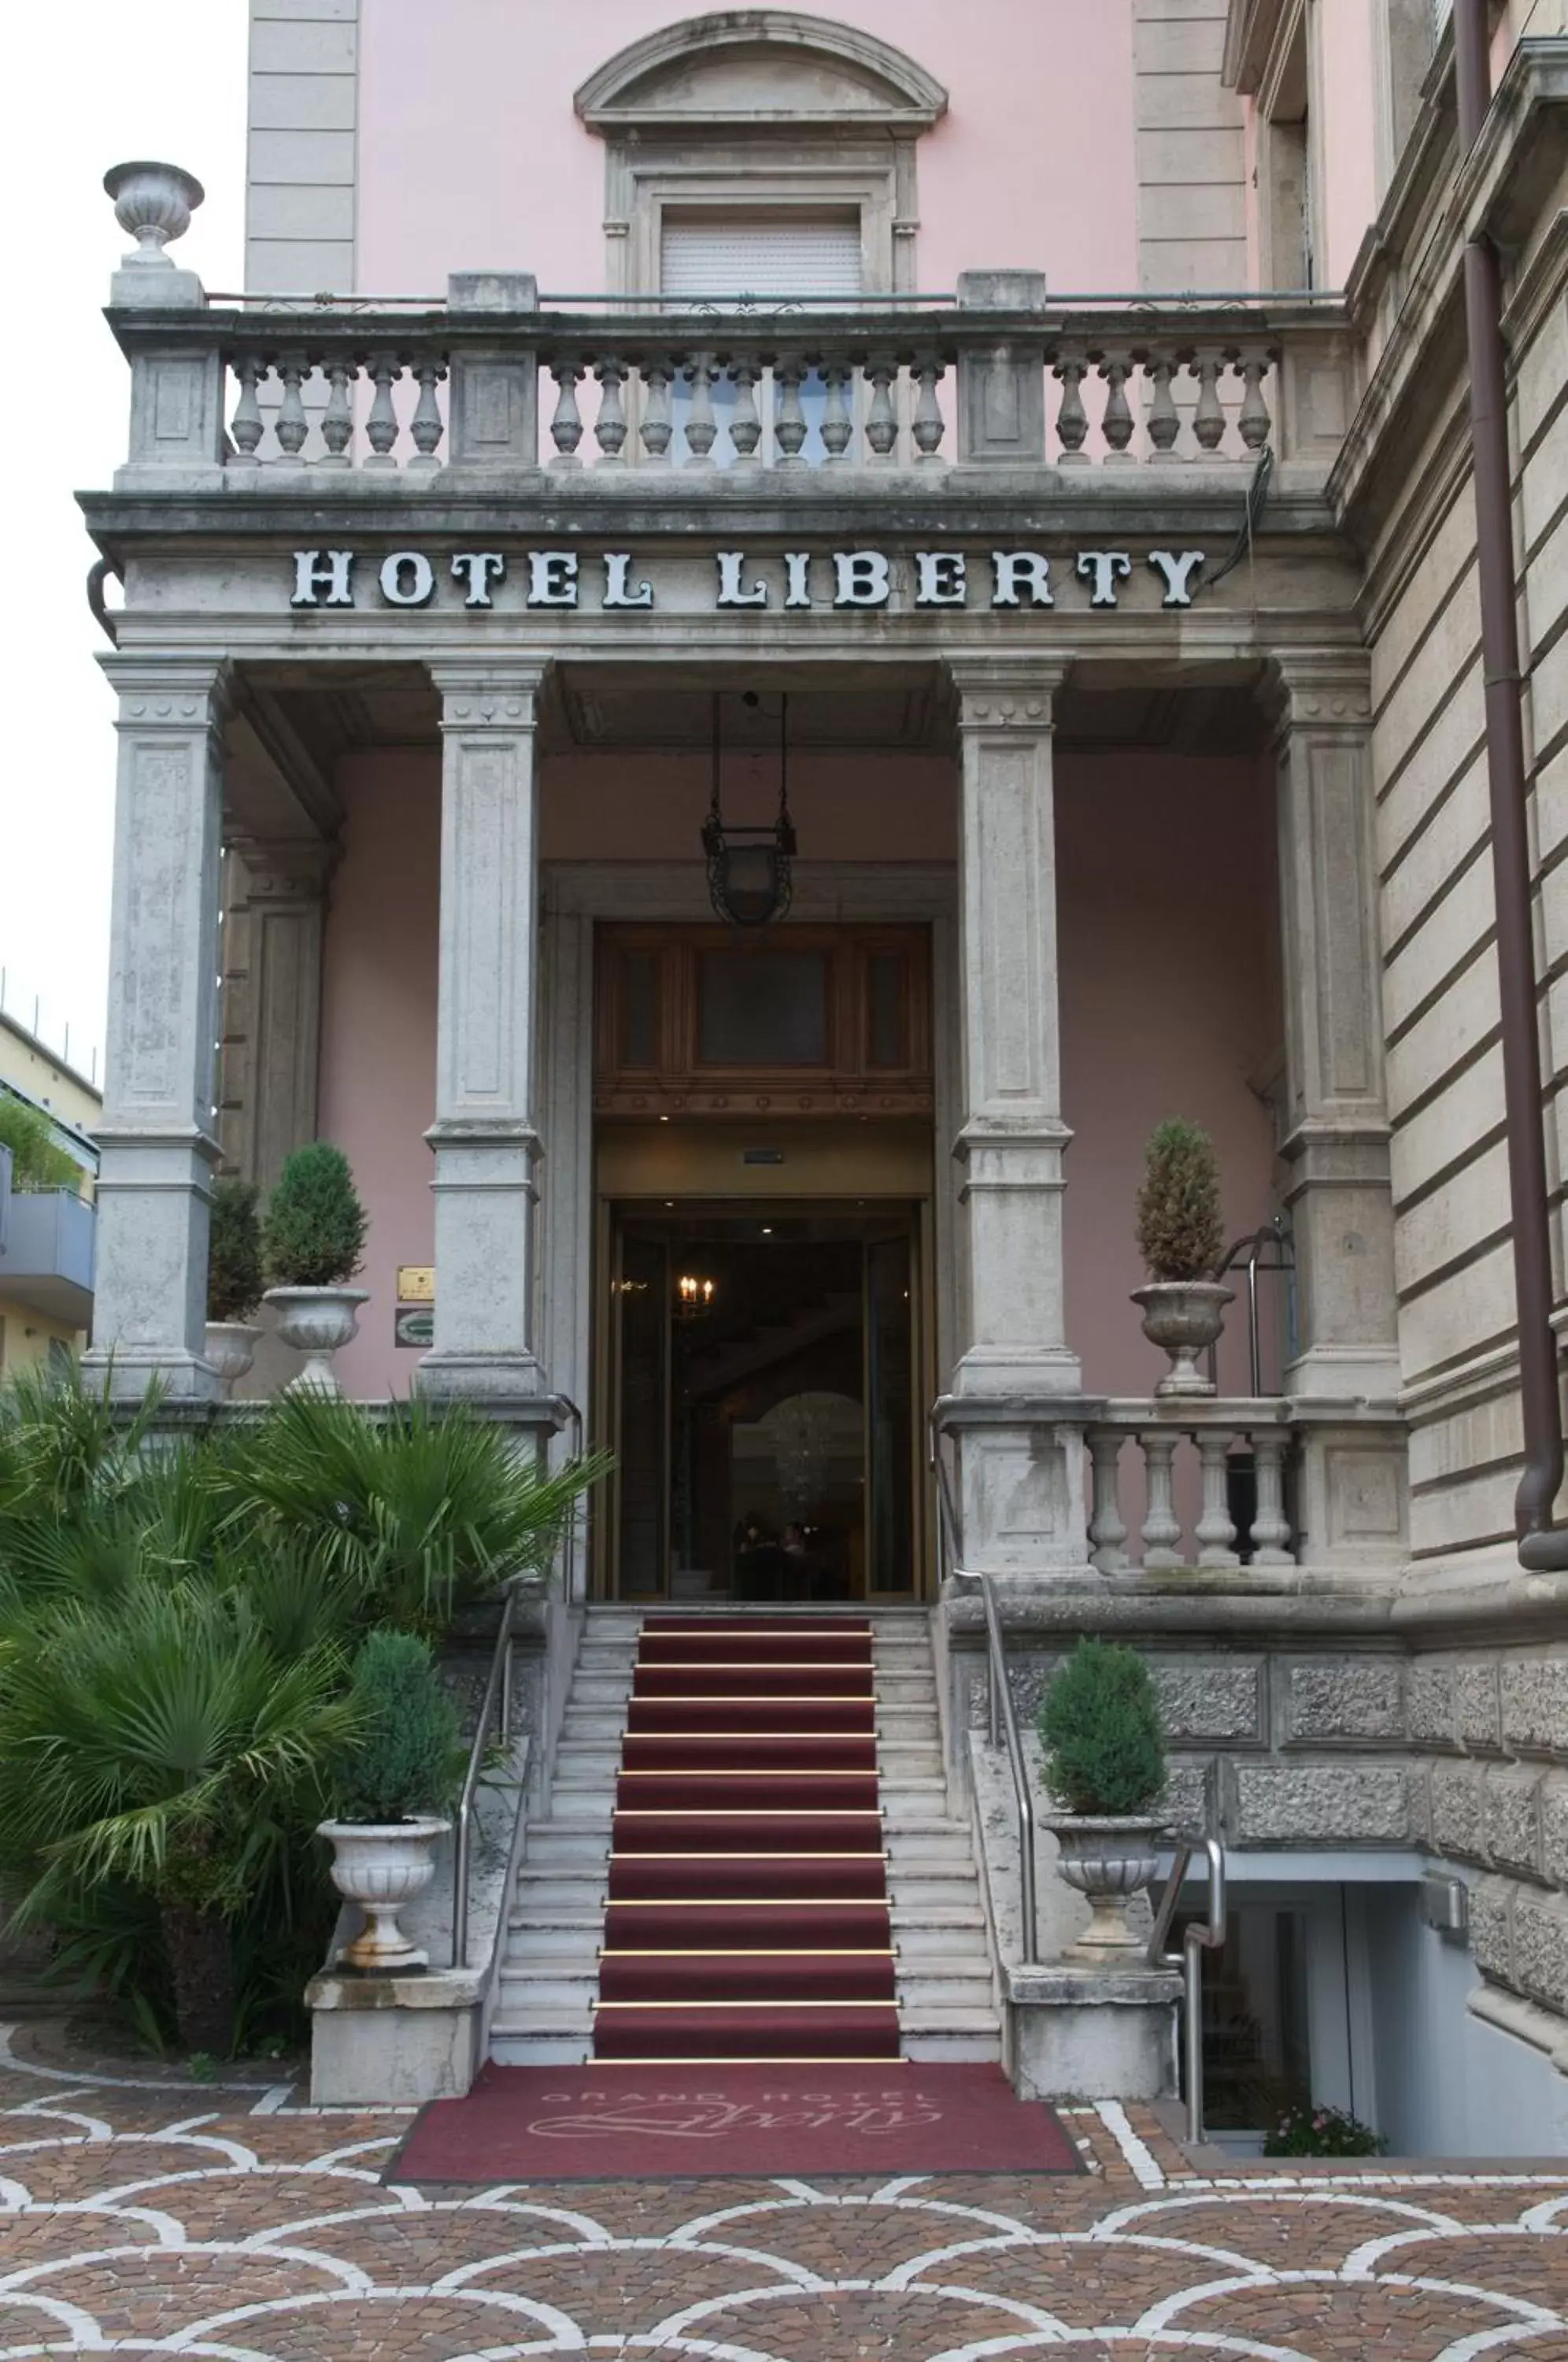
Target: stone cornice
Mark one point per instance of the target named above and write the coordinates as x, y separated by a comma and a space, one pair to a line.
609, 99
1252, 28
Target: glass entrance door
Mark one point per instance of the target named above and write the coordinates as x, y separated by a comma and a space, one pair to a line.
764, 1403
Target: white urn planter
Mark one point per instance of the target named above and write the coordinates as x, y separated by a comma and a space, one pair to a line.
1107, 1858
154, 203
1185, 1317
231, 1350
315, 1321
381, 1865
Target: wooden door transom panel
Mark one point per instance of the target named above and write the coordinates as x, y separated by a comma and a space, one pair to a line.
794, 1021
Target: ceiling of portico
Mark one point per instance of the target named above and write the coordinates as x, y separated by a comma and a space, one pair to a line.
321, 712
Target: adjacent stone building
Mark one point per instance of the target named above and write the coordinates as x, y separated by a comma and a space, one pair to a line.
1025, 451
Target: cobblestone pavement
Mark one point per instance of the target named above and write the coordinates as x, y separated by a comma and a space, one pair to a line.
169, 2219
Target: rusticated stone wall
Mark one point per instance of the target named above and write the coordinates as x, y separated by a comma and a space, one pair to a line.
1462, 1755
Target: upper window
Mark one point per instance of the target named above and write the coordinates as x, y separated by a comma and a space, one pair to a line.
779, 252
801, 131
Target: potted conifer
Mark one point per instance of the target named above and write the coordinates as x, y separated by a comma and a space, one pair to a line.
311, 1244
234, 1279
1181, 1240
1105, 1761
395, 1781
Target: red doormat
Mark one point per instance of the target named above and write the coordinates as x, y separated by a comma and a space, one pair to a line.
607, 2123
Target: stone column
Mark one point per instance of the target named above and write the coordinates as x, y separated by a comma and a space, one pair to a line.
1019, 1418
1014, 1138
273, 923
156, 1133
485, 1142
1336, 1127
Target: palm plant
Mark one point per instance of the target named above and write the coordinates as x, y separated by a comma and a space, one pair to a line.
172, 1753
427, 1510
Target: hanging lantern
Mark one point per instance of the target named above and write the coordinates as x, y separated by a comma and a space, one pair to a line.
749, 868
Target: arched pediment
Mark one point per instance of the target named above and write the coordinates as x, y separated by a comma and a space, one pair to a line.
756, 67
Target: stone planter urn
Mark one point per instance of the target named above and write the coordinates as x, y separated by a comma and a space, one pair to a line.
230, 1348
154, 203
315, 1321
1107, 1858
380, 1866
1184, 1317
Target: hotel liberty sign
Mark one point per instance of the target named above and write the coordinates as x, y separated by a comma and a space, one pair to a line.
793, 578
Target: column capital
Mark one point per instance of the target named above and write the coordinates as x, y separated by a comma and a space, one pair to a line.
1007, 693
1324, 689
489, 693
156, 689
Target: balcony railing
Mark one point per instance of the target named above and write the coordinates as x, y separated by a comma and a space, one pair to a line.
272, 395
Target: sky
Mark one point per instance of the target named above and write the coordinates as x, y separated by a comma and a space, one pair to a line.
87, 84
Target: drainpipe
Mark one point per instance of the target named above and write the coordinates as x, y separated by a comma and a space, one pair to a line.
1540, 1545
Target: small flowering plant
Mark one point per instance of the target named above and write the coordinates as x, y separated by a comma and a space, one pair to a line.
1307, 2131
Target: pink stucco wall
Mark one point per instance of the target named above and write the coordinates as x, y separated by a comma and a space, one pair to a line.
1347, 137
471, 157
1169, 994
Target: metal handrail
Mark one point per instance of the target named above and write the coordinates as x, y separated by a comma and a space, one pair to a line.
498, 1682
1001, 1719
1201, 1935
569, 1585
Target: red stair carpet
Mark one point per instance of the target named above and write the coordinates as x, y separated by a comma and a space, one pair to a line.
747, 1914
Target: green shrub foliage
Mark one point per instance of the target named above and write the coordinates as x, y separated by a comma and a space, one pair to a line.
404, 1759
38, 1161
1180, 1234
179, 1628
1100, 1724
316, 1226
233, 1252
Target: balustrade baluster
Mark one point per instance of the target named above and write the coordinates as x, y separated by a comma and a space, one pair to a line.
928, 426
701, 427
1208, 418
838, 424
293, 425
657, 421
425, 426
881, 419
1072, 418
381, 425
1108, 1528
246, 426
1214, 1533
566, 427
789, 429
1162, 1528
1164, 421
1271, 1529
610, 427
1116, 421
338, 418
1254, 421
746, 426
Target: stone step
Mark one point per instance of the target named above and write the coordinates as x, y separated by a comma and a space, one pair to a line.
568, 1845
950, 2033
543, 1892
958, 1985
540, 1993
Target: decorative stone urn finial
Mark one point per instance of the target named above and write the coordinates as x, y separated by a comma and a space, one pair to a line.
154, 203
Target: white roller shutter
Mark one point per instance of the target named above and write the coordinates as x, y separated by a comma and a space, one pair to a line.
763, 254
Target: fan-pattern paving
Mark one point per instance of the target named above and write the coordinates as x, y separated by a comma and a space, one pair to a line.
164, 2220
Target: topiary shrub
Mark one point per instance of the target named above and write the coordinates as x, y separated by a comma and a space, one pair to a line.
1099, 1724
406, 1759
38, 1160
314, 1230
233, 1252
1180, 1233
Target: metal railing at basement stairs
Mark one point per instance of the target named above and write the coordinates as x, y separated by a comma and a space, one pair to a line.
1001, 1722
1199, 1936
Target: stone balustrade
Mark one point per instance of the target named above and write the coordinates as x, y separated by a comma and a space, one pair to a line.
263, 393
1218, 1439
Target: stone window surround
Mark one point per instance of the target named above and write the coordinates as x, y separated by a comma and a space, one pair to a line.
858, 156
